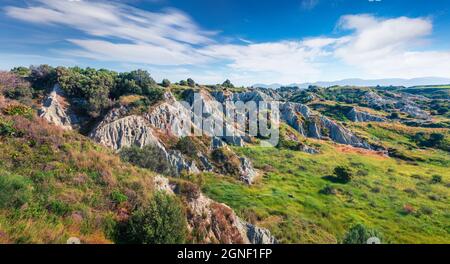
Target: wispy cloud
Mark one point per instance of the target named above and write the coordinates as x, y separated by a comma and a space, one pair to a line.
170, 33
171, 41
309, 4
390, 47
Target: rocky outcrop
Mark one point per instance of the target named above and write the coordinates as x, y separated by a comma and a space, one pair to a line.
375, 100
360, 116
402, 102
414, 111
247, 172
314, 125
257, 235
179, 163
217, 223
171, 117
56, 110
117, 132
125, 132
217, 111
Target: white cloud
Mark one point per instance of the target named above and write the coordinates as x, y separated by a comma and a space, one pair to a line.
284, 61
384, 48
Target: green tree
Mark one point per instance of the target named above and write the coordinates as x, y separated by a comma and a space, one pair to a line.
161, 221
227, 83
165, 83
42, 77
190, 82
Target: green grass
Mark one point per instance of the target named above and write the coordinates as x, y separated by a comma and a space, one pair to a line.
287, 198
54, 185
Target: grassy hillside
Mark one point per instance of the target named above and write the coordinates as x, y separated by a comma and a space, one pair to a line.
57, 184
300, 201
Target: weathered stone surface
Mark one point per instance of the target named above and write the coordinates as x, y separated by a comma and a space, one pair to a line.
258, 235
56, 110
415, 111
136, 131
314, 125
360, 116
248, 173
171, 116
219, 224
125, 132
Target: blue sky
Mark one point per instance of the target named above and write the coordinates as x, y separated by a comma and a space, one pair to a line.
248, 41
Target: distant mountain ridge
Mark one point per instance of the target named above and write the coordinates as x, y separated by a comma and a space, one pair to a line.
363, 82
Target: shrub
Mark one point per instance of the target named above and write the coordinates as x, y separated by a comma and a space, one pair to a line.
426, 210
436, 179
118, 197
149, 157
411, 192
59, 208
394, 115
230, 161
42, 77
434, 140
187, 147
165, 83
343, 174
18, 110
13, 86
7, 128
408, 209
329, 190
359, 234
188, 190
161, 221
15, 191
190, 82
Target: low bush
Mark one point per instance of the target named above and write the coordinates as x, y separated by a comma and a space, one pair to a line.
161, 221
149, 157
343, 174
229, 160
15, 191
187, 147
435, 179
329, 190
7, 128
18, 110
359, 234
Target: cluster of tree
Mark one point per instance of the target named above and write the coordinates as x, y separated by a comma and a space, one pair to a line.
189, 82
23, 83
439, 107
91, 91
98, 88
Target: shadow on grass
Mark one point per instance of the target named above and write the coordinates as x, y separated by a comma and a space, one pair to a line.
333, 179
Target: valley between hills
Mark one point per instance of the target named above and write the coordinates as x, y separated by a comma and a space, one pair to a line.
102, 156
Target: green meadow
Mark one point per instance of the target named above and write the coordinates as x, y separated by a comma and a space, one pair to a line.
299, 200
